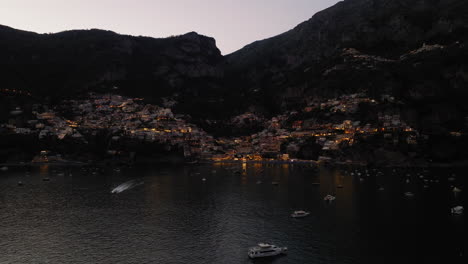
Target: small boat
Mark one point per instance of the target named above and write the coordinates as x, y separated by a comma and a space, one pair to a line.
4, 168
266, 250
259, 182
458, 210
126, 186
409, 194
203, 179
381, 189
456, 190
46, 179
275, 183
299, 214
20, 183
329, 198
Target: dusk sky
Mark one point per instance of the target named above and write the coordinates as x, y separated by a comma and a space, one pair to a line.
234, 24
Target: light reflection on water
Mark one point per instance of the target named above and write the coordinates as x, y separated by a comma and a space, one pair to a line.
176, 217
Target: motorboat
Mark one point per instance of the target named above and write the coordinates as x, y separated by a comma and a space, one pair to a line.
409, 194
457, 210
329, 198
299, 214
126, 186
266, 250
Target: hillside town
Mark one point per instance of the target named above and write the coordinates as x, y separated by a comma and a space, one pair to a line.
307, 135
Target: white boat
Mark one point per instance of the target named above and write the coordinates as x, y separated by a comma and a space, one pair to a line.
126, 186
409, 194
457, 210
299, 214
266, 250
329, 198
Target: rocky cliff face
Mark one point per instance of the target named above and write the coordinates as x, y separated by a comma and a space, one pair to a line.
415, 50
320, 57
75, 61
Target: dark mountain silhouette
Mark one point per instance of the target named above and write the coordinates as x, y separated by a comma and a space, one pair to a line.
415, 50
412, 49
73, 62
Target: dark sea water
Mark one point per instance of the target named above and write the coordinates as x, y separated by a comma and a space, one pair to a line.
170, 215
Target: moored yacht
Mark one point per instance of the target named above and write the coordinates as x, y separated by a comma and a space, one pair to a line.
299, 214
458, 210
266, 250
329, 198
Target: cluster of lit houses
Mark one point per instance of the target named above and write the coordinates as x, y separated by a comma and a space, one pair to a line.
281, 139
7, 91
130, 118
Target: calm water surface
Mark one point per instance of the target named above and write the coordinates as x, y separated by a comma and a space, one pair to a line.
176, 217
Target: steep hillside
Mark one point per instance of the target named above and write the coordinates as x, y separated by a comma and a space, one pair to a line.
376, 46
286, 70
72, 62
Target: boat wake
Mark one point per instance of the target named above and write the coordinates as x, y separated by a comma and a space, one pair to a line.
127, 186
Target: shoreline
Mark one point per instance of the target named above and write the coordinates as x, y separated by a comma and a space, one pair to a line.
460, 164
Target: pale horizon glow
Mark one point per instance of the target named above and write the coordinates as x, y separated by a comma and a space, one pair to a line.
233, 24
